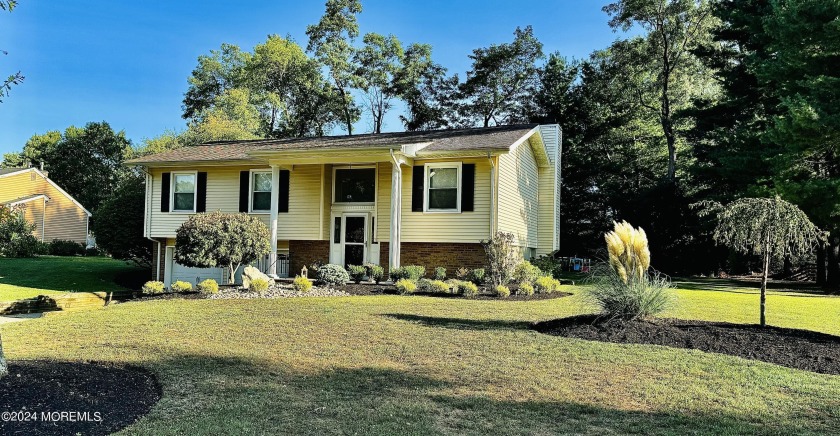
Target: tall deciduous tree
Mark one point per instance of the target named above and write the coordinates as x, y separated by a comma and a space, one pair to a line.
36, 147
674, 28
331, 41
498, 88
221, 70
429, 94
377, 64
767, 227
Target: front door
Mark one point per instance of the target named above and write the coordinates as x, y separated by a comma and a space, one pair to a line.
354, 239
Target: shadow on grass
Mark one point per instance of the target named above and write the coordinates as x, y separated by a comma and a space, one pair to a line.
460, 323
232, 395
740, 286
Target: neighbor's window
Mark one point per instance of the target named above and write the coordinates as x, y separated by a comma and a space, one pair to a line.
355, 185
183, 193
261, 191
442, 184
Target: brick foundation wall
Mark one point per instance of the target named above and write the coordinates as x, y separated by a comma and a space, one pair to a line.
306, 253
158, 256
448, 255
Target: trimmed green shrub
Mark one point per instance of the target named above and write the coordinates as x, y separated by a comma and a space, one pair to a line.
258, 285
405, 286
376, 273
440, 273
152, 288
302, 284
332, 275
525, 288
477, 276
415, 272
208, 286
62, 247
357, 272
397, 274
463, 287
526, 272
181, 286
546, 285
16, 239
92, 252
433, 286
502, 291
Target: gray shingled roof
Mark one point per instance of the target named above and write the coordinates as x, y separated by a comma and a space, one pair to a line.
10, 170
476, 139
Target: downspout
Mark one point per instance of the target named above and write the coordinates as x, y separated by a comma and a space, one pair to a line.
492, 194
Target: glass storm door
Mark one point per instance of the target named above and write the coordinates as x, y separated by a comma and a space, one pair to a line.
355, 243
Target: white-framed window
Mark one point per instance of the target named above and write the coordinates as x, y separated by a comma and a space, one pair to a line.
183, 191
442, 187
260, 191
356, 184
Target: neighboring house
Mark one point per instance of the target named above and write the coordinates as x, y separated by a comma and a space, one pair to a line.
55, 213
425, 198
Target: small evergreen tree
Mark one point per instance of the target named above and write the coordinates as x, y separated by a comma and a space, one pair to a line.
217, 239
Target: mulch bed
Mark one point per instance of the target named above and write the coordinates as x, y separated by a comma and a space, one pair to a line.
59, 398
799, 349
372, 289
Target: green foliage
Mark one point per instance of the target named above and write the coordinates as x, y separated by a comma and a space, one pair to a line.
548, 265
357, 272
376, 273
502, 257
333, 275
259, 285
208, 286
526, 272
462, 273
181, 286
546, 285
153, 288
405, 286
467, 289
302, 284
440, 273
426, 90
502, 291
118, 222
639, 298
477, 276
525, 288
223, 240
377, 64
410, 272
16, 239
433, 286
61, 247
498, 84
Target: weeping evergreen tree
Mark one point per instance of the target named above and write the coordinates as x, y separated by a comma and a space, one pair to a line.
767, 227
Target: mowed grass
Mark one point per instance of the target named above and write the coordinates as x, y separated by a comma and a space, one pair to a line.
422, 365
53, 275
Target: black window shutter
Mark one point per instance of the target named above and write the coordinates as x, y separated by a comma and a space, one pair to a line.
418, 173
283, 191
244, 190
201, 193
467, 187
164, 191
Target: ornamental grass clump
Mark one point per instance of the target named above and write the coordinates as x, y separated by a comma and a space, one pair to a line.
405, 286
624, 287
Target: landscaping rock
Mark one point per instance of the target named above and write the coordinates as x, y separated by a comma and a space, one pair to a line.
251, 273
276, 291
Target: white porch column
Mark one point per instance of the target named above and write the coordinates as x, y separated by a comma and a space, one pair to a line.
396, 213
275, 198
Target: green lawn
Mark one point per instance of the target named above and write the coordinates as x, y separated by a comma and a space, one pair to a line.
421, 365
50, 275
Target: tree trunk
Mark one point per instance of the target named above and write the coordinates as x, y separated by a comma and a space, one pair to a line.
821, 264
833, 258
4, 369
764, 274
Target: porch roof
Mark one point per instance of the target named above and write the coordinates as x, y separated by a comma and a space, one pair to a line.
434, 141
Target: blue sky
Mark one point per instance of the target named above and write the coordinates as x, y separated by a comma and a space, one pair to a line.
127, 63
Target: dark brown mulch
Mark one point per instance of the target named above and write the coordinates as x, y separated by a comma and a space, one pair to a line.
799, 349
373, 289
58, 398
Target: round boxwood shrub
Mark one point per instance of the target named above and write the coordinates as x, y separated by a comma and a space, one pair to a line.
547, 285
208, 286
181, 286
153, 288
258, 285
526, 272
302, 284
333, 275
525, 288
357, 272
502, 291
376, 273
463, 287
440, 273
405, 286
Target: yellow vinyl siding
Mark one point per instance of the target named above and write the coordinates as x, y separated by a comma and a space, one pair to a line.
546, 212
435, 227
519, 195
301, 222
61, 219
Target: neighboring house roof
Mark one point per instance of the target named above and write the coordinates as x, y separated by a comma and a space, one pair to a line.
9, 171
26, 199
454, 140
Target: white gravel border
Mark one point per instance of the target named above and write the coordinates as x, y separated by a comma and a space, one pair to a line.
275, 291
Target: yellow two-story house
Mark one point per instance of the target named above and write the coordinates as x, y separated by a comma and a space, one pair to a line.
410, 198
